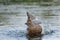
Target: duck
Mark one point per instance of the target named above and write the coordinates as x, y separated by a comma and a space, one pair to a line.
34, 30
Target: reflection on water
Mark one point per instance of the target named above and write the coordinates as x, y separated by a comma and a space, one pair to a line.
13, 18
38, 38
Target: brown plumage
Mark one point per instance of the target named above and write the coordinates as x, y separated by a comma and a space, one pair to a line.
33, 29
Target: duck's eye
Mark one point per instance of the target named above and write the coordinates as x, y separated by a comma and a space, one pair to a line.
26, 23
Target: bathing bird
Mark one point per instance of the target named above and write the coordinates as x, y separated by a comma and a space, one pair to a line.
34, 30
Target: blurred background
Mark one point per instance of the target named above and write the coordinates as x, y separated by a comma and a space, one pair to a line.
13, 18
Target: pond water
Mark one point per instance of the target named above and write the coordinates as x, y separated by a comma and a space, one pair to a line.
13, 18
